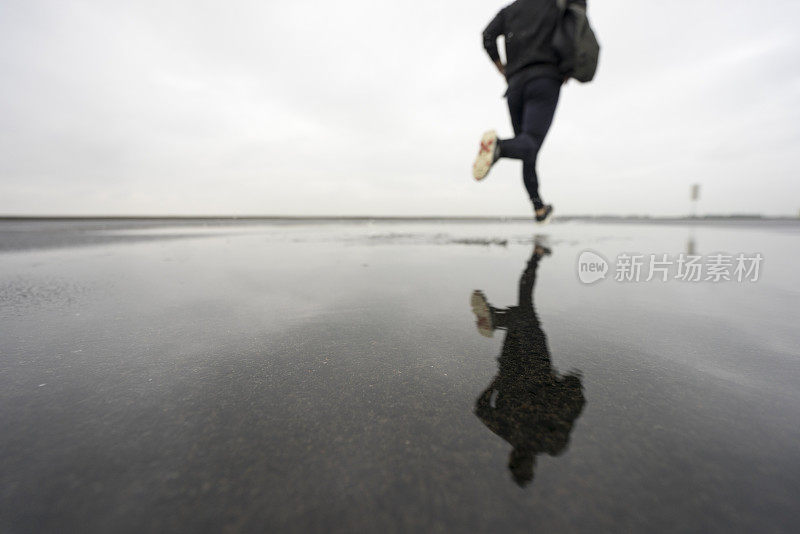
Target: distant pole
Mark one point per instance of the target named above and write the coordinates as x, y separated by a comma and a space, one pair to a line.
695, 195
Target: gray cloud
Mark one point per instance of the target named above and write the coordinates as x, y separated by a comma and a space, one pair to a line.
358, 107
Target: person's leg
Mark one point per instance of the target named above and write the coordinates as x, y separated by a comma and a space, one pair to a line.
531, 119
489, 152
516, 107
499, 318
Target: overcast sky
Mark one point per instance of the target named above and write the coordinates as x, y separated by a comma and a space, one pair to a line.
375, 107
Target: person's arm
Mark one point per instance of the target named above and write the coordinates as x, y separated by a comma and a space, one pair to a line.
490, 35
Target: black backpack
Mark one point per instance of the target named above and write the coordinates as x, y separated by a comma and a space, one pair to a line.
575, 42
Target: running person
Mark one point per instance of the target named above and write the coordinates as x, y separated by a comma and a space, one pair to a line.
534, 84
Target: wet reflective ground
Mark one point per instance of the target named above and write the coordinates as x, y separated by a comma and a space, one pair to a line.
393, 376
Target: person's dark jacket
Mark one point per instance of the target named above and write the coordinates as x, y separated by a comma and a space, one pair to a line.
528, 27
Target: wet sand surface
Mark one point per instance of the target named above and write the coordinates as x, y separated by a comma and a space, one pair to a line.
310, 377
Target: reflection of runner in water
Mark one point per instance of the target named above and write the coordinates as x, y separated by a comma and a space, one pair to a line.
528, 404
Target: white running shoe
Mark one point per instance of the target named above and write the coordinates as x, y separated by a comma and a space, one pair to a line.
483, 314
487, 155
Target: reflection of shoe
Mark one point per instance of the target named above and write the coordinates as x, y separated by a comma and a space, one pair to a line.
544, 217
483, 314
487, 155
540, 248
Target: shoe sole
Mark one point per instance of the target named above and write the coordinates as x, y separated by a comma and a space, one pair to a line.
478, 302
480, 307
485, 157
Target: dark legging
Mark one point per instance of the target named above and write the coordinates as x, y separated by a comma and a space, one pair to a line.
532, 107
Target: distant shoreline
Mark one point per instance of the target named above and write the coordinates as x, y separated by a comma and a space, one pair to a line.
368, 218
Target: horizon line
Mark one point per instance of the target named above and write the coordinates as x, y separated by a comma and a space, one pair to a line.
55, 217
